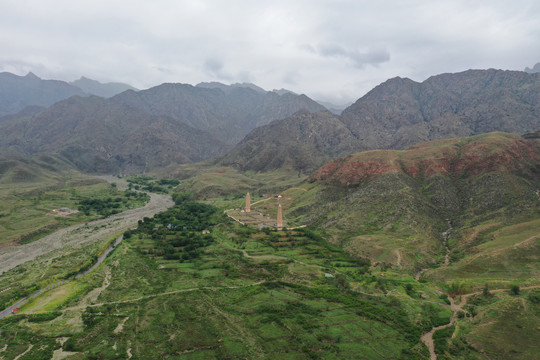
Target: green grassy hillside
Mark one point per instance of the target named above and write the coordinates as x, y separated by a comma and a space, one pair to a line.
380, 201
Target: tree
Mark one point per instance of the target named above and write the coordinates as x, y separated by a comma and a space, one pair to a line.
486, 292
514, 290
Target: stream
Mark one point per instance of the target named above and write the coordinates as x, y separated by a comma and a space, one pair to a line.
21, 302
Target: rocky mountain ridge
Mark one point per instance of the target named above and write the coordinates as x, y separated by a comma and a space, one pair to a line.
106, 90
302, 142
100, 136
401, 112
19, 92
456, 158
226, 112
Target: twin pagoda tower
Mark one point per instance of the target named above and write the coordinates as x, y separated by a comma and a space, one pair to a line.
279, 222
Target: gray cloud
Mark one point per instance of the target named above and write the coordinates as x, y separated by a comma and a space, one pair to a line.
358, 58
352, 45
214, 67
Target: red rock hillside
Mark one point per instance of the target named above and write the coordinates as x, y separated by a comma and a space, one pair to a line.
465, 157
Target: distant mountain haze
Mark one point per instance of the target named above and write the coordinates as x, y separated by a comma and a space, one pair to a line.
535, 69
100, 136
106, 90
18, 92
228, 112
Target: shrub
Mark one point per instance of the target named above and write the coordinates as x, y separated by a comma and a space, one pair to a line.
514, 290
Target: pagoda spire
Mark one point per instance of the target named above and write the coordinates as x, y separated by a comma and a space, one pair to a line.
248, 203
279, 223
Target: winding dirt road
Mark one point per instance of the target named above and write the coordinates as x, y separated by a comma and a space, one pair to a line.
427, 338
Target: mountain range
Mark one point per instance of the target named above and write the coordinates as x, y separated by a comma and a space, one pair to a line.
226, 112
100, 136
400, 113
137, 131
191, 123
18, 92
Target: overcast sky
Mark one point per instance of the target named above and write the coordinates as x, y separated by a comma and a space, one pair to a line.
330, 50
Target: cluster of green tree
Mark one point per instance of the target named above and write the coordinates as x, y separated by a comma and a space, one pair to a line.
109, 205
148, 183
178, 231
168, 182
43, 317
16, 293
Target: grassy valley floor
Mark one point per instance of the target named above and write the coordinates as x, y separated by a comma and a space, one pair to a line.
191, 283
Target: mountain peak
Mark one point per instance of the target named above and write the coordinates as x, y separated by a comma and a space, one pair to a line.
32, 76
95, 87
224, 87
535, 69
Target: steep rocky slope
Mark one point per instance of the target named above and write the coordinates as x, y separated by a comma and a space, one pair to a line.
397, 114
228, 115
400, 112
97, 135
302, 142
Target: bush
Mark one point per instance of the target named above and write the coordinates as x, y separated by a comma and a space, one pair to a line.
37, 318
514, 290
534, 297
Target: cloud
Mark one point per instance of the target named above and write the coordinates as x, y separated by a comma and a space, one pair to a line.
335, 50
214, 67
356, 57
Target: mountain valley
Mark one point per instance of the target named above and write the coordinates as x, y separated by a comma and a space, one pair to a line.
412, 222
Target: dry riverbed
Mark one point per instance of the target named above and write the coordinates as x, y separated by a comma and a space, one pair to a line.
81, 234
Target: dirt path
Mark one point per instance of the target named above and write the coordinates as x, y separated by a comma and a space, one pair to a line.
398, 256
427, 338
212, 288
81, 234
24, 353
93, 295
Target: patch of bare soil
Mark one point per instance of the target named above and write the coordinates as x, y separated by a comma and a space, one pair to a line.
59, 354
93, 295
63, 212
120, 326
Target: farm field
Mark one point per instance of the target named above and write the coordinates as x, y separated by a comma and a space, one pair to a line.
192, 283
